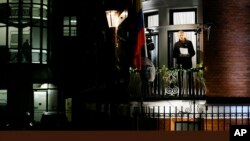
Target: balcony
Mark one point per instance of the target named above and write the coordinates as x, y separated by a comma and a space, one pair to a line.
171, 83
35, 56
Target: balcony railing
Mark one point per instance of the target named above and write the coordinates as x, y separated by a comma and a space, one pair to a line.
175, 82
35, 56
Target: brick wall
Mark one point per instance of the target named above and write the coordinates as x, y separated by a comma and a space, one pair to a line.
227, 53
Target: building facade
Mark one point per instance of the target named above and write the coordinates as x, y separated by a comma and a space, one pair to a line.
60, 56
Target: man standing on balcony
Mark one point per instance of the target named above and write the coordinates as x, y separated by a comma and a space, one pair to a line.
183, 53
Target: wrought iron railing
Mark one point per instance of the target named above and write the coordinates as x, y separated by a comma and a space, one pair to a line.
175, 82
166, 118
210, 118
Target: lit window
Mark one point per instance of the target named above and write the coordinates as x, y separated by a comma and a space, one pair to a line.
187, 126
69, 26
183, 16
151, 19
3, 97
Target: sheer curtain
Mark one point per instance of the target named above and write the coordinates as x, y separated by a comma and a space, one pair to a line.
153, 20
184, 18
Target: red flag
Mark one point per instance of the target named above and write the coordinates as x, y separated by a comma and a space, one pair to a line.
139, 35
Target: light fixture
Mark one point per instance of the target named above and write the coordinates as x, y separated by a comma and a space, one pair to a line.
115, 18
207, 27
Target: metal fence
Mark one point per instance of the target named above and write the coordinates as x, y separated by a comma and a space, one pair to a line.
128, 117
207, 118
167, 118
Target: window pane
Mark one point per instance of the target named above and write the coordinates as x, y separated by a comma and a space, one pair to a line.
45, 42
187, 126
36, 12
66, 21
44, 57
66, 31
3, 36
184, 17
39, 1
13, 55
26, 10
3, 1
73, 31
69, 24
45, 1
36, 56
3, 97
13, 44
45, 13
153, 20
73, 21
14, 11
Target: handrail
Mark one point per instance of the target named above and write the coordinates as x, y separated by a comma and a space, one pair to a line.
168, 82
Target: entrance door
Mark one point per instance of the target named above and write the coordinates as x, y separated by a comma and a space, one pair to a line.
40, 104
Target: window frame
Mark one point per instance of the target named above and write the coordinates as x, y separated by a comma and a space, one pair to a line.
69, 29
148, 14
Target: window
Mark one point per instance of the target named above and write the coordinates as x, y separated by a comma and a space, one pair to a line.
151, 19
27, 20
38, 46
153, 53
187, 126
69, 26
183, 16
3, 97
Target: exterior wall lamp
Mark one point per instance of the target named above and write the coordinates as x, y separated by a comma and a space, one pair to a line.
115, 18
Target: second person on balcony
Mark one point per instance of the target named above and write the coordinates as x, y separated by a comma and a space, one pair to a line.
183, 51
